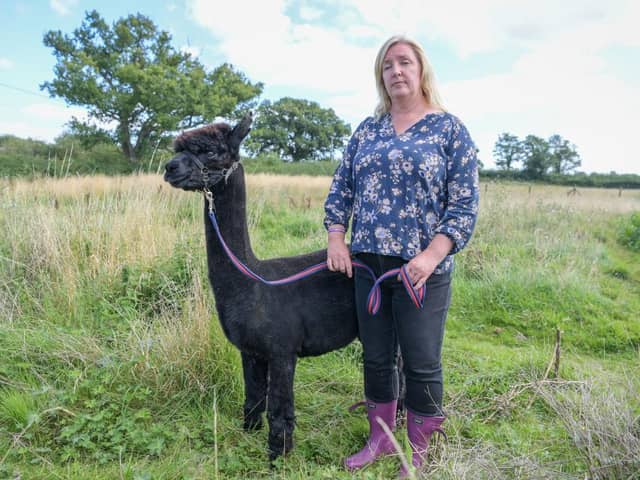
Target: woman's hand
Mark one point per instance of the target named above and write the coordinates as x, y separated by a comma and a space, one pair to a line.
420, 267
338, 255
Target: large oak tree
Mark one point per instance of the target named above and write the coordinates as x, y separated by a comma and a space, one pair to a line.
297, 129
137, 88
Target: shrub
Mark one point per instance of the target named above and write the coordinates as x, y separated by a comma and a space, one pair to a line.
629, 232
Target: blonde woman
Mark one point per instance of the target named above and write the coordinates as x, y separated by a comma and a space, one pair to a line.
408, 183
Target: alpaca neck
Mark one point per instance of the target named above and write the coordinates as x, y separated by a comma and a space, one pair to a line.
230, 210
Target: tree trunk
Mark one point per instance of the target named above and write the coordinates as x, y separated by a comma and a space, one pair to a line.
124, 137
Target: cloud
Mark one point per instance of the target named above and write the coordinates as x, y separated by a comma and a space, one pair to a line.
5, 64
62, 7
478, 27
51, 120
268, 47
558, 81
191, 50
51, 111
560, 84
27, 129
310, 13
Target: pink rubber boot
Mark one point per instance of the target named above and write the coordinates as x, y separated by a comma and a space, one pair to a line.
420, 429
378, 443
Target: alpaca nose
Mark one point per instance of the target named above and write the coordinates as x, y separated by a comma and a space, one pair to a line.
171, 166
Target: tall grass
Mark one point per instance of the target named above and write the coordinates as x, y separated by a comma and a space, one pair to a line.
114, 365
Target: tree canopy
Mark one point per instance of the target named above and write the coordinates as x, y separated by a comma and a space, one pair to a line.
539, 157
137, 88
296, 130
507, 151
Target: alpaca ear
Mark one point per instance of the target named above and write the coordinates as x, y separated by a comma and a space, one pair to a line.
240, 131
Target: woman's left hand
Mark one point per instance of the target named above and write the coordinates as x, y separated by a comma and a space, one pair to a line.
420, 269
424, 264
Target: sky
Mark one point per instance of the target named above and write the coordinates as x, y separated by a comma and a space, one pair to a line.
539, 67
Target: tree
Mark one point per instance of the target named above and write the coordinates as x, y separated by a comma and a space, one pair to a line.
536, 159
297, 130
507, 151
129, 76
564, 158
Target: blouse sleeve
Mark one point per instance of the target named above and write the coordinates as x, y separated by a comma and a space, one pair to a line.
339, 203
463, 188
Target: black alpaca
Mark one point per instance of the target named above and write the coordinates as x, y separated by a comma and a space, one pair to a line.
272, 326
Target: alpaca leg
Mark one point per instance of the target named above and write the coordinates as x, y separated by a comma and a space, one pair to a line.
254, 370
280, 406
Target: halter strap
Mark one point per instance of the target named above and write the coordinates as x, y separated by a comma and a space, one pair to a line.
417, 296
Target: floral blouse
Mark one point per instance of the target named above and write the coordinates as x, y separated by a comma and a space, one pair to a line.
401, 190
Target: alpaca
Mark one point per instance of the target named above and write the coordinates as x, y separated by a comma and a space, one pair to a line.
271, 326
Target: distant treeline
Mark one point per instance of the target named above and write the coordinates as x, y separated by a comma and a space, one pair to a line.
21, 157
578, 179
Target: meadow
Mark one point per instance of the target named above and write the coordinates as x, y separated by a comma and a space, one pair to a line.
113, 364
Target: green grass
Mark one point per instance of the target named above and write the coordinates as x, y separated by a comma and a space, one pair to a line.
114, 364
272, 164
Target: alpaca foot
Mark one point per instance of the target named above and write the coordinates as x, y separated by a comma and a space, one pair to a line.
252, 422
280, 445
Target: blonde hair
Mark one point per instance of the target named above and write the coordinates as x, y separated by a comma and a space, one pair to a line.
427, 80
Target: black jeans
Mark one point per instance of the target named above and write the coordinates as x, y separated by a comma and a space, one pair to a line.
399, 324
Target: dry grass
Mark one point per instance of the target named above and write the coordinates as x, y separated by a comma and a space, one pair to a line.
596, 200
601, 422
119, 219
50, 224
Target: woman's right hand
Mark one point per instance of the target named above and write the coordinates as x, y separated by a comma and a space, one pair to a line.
338, 255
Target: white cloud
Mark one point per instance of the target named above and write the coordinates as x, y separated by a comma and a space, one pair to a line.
192, 50
52, 111
268, 47
5, 64
51, 120
62, 7
310, 13
559, 83
473, 27
26, 129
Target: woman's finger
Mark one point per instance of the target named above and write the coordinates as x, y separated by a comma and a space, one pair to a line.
330, 264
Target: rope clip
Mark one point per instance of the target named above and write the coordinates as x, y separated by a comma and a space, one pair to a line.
208, 194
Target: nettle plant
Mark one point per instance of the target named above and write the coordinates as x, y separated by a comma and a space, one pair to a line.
112, 419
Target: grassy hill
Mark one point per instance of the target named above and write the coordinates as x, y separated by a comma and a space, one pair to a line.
114, 365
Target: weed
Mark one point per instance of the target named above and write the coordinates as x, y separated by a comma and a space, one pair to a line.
114, 364
629, 232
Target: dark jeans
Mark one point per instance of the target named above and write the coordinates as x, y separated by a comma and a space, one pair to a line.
418, 334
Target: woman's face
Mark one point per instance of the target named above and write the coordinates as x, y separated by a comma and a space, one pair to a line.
401, 72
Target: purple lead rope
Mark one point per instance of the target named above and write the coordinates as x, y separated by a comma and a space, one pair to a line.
373, 300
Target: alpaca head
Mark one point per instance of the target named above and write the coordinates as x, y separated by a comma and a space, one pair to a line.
213, 148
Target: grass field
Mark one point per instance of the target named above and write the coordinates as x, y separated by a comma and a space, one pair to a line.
113, 364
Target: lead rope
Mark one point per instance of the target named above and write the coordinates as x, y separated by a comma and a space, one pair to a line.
417, 296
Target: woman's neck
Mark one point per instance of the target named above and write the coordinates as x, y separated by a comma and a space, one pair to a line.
404, 114
411, 108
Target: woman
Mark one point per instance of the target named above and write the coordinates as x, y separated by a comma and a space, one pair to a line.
408, 182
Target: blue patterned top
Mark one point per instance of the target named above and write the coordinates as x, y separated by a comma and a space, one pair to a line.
401, 190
